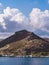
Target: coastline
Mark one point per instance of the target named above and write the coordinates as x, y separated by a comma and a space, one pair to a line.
26, 56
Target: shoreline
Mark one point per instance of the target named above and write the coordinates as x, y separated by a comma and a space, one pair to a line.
27, 56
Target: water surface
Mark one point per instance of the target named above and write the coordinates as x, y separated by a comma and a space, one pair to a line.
23, 61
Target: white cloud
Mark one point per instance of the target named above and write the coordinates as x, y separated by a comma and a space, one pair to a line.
39, 19
5, 35
12, 15
2, 23
45, 36
0, 4
13, 19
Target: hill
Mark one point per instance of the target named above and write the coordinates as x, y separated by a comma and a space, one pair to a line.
24, 43
47, 39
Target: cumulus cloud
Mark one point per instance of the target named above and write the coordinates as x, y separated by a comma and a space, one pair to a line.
39, 19
2, 23
14, 15
0, 4
11, 17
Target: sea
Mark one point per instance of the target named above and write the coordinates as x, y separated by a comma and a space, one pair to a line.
24, 61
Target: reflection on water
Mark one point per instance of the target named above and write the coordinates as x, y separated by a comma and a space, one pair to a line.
23, 61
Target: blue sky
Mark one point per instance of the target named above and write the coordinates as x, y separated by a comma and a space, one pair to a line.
26, 5
32, 15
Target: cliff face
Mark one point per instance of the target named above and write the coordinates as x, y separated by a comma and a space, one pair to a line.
23, 43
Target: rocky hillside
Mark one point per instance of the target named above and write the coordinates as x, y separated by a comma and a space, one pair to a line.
47, 39
24, 43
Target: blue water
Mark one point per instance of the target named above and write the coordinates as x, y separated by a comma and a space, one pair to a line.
23, 61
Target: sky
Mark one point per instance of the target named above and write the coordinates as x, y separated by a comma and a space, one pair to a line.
32, 15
